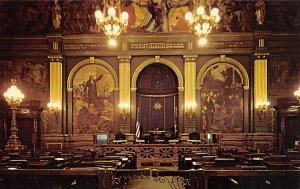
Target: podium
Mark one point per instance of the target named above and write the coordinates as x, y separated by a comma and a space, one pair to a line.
157, 136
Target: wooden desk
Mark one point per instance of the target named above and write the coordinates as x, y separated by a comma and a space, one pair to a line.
279, 165
119, 141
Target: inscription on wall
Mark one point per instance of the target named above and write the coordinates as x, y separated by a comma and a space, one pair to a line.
87, 46
157, 46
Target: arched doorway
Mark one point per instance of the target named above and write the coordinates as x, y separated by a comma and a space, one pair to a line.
157, 98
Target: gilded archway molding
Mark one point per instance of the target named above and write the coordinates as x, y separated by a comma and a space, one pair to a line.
222, 59
92, 61
157, 60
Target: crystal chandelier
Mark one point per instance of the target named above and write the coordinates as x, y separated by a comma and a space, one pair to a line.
111, 20
202, 23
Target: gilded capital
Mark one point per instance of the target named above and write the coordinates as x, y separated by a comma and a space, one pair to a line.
261, 55
124, 59
190, 58
246, 88
55, 58
70, 90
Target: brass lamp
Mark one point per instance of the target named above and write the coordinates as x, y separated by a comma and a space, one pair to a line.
13, 97
262, 107
54, 109
124, 111
190, 110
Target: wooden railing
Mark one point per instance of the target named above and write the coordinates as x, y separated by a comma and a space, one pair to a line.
156, 154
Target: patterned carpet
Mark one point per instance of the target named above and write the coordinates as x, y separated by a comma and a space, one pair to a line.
151, 182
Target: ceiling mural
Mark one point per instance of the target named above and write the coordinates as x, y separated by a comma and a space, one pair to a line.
77, 17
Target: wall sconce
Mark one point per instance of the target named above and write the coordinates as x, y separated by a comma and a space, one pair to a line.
297, 94
54, 109
262, 107
124, 110
190, 109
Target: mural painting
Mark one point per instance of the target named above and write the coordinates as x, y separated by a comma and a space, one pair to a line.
31, 75
222, 99
145, 16
93, 100
284, 76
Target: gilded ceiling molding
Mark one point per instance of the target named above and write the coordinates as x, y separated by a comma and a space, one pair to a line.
152, 61
223, 59
88, 62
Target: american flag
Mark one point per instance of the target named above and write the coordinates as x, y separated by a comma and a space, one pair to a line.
138, 125
138, 129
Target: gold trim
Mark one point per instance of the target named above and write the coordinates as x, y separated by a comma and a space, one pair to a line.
55, 58
87, 62
190, 58
157, 96
230, 61
157, 58
92, 59
124, 46
246, 88
124, 59
152, 61
181, 89
261, 55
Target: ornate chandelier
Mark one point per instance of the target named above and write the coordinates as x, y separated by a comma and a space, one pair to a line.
202, 23
13, 97
111, 20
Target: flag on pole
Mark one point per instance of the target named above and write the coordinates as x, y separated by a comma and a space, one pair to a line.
175, 129
138, 125
138, 129
175, 123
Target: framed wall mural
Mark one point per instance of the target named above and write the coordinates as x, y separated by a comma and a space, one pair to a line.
32, 75
93, 109
284, 75
222, 99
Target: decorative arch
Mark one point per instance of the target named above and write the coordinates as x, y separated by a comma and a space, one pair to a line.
222, 59
89, 62
91, 110
222, 101
157, 60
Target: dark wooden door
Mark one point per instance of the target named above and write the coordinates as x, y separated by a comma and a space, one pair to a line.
157, 98
292, 131
28, 124
158, 112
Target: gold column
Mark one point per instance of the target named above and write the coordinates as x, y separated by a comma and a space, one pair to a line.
124, 98
56, 90
190, 92
260, 81
261, 92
